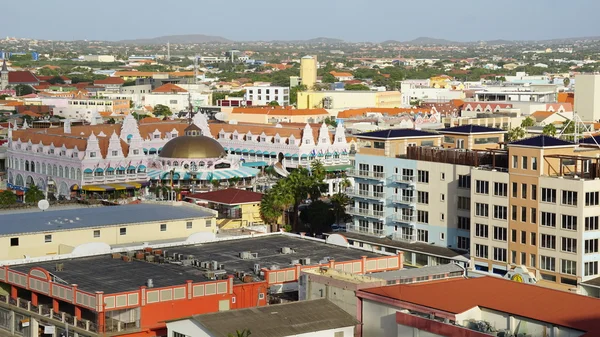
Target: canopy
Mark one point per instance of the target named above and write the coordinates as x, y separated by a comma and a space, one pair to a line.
304, 156
88, 171
295, 156
142, 167
99, 170
251, 151
131, 167
255, 164
287, 155
110, 169
272, 153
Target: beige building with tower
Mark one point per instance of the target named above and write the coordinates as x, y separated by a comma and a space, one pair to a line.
308, 71
587, 97
349, 99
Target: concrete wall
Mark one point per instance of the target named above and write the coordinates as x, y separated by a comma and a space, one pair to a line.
379, 319
587, 97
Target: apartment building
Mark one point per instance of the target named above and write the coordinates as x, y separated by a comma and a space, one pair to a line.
264, 95
410, 189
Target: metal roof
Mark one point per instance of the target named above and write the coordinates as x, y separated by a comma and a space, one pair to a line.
31, 222
397, 133
542, 141
418, 272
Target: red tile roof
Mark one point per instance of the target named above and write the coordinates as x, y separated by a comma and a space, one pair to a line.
530, 301
22, 77
109, 80
168, 88
230, 196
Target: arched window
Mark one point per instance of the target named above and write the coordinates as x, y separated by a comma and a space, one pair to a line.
72, 173
78, 174
27, 165
67, 175
33, 166
54, 171
60, 172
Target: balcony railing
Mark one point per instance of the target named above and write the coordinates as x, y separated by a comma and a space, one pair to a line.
366, 174
407, 179
403, 199
365, 212
363, 230
365, 194
410, 238
404, 218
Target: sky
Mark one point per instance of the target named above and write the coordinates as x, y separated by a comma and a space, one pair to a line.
350, 20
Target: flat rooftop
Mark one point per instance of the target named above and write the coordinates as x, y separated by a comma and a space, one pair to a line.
103, 273
418, 272
66, 219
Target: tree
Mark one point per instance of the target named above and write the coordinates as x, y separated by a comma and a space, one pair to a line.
319, 215
356, 87
56, 80
328, 78
243, 333
7, 198
294, 93
3, 97
23, 89
515, 134
33, 194
162, 110
111, 121
566, 81
273, 103
527, 122
568, 130
330, 121
549, 130
339, 201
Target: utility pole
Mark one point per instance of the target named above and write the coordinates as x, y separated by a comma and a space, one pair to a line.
168, 51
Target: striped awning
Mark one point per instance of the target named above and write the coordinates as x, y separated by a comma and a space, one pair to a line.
98, 188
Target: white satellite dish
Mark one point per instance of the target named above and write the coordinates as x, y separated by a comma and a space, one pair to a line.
43, 204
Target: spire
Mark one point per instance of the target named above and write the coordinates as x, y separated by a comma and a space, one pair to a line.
4, 67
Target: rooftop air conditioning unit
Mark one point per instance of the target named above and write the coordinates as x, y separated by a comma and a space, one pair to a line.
256, 268
286, 250
305, 261
205, 264
214, 265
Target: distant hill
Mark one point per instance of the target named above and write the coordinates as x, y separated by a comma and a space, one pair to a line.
325, 40
180, 39
430, 40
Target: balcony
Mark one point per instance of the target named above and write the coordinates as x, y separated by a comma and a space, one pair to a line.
365, 212
403, 179
363, 230
366, 174
357, 193
409, 238
403, 199
404, 218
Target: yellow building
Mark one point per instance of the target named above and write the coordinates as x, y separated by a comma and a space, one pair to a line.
236, 208
308, 71
349, 99
97, 229
440, 82
277, 115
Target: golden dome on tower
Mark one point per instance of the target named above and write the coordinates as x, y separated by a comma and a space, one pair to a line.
192, 146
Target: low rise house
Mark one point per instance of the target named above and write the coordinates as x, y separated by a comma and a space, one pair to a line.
236, 208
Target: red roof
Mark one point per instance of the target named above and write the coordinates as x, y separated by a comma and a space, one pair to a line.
169, 88
230, 196
22, 77
109, 80
459, 295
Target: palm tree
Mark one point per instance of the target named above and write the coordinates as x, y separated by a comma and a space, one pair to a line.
527, 122
234, 181
339, 201
566, 81
7, 198
515, 134
549, 130
33, 194
243, 333
215, 183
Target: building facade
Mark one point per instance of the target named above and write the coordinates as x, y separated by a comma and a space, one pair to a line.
264, 95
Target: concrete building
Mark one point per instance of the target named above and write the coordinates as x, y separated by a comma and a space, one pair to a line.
98, 58
274, 115
236, 208
110, 84
77, 230
90, 108
176, 98
587, 97
334, 99
318, 318
264, 95
308, 71
476, 307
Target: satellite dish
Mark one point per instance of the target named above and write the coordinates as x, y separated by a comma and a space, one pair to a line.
43, 204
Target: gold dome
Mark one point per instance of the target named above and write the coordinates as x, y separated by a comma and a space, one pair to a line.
192, 147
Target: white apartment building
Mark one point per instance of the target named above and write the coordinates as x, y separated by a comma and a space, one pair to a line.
587, 97
263, 95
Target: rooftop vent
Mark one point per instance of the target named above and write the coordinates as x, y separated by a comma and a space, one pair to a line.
248, 255
59, 267
150, 283
287, 250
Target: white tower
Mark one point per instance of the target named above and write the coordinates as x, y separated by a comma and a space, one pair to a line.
4, 76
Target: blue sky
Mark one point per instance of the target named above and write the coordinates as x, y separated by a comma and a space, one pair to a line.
351, 20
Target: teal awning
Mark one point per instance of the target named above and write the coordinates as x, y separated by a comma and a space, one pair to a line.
337, 168
251, 152
303, 156
88, 171
132, 167
272, 153
295, 156
287, 155
255, 164
244, 151
99, 170
110, 169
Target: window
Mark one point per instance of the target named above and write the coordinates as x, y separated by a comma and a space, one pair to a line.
569, 222
422, 235
379, 145
547, 263
97, 233
163, 227
92, 154
532, 259
464, 203
422, 216
48, 238
515, 190
482, 186
523, 237
422, 197
533, 238
188, 225
548, 219
549, 195
423, 176
513, 211
442, 197
515, 161
115, 153
442, 217
442, 176
591, 246
534, 163
136, 152
123, 231
499, 254
591, 198
533, 219
500, 212
591, 268
14, 242
513, 257
524, 165
208, 223
464, 223
481, 230
548, 241
523, 214
464, 181
569, 198
500, 233
523, 258
177, 334
533, 192
524, 191
463, 242
481, 251
591, 223
569, 245
568, 267
500, 189
481, 209
513, 235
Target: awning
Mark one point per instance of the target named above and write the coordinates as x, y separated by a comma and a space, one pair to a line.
303, 156
128, 185
110, 169
238, 150
99, 170
255, 164
98, 188
295, 156
251, 152
75, 187
132, 167
141, 167
117, 187
88, 171
287, 155
272, 153
244, 151
337, 167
